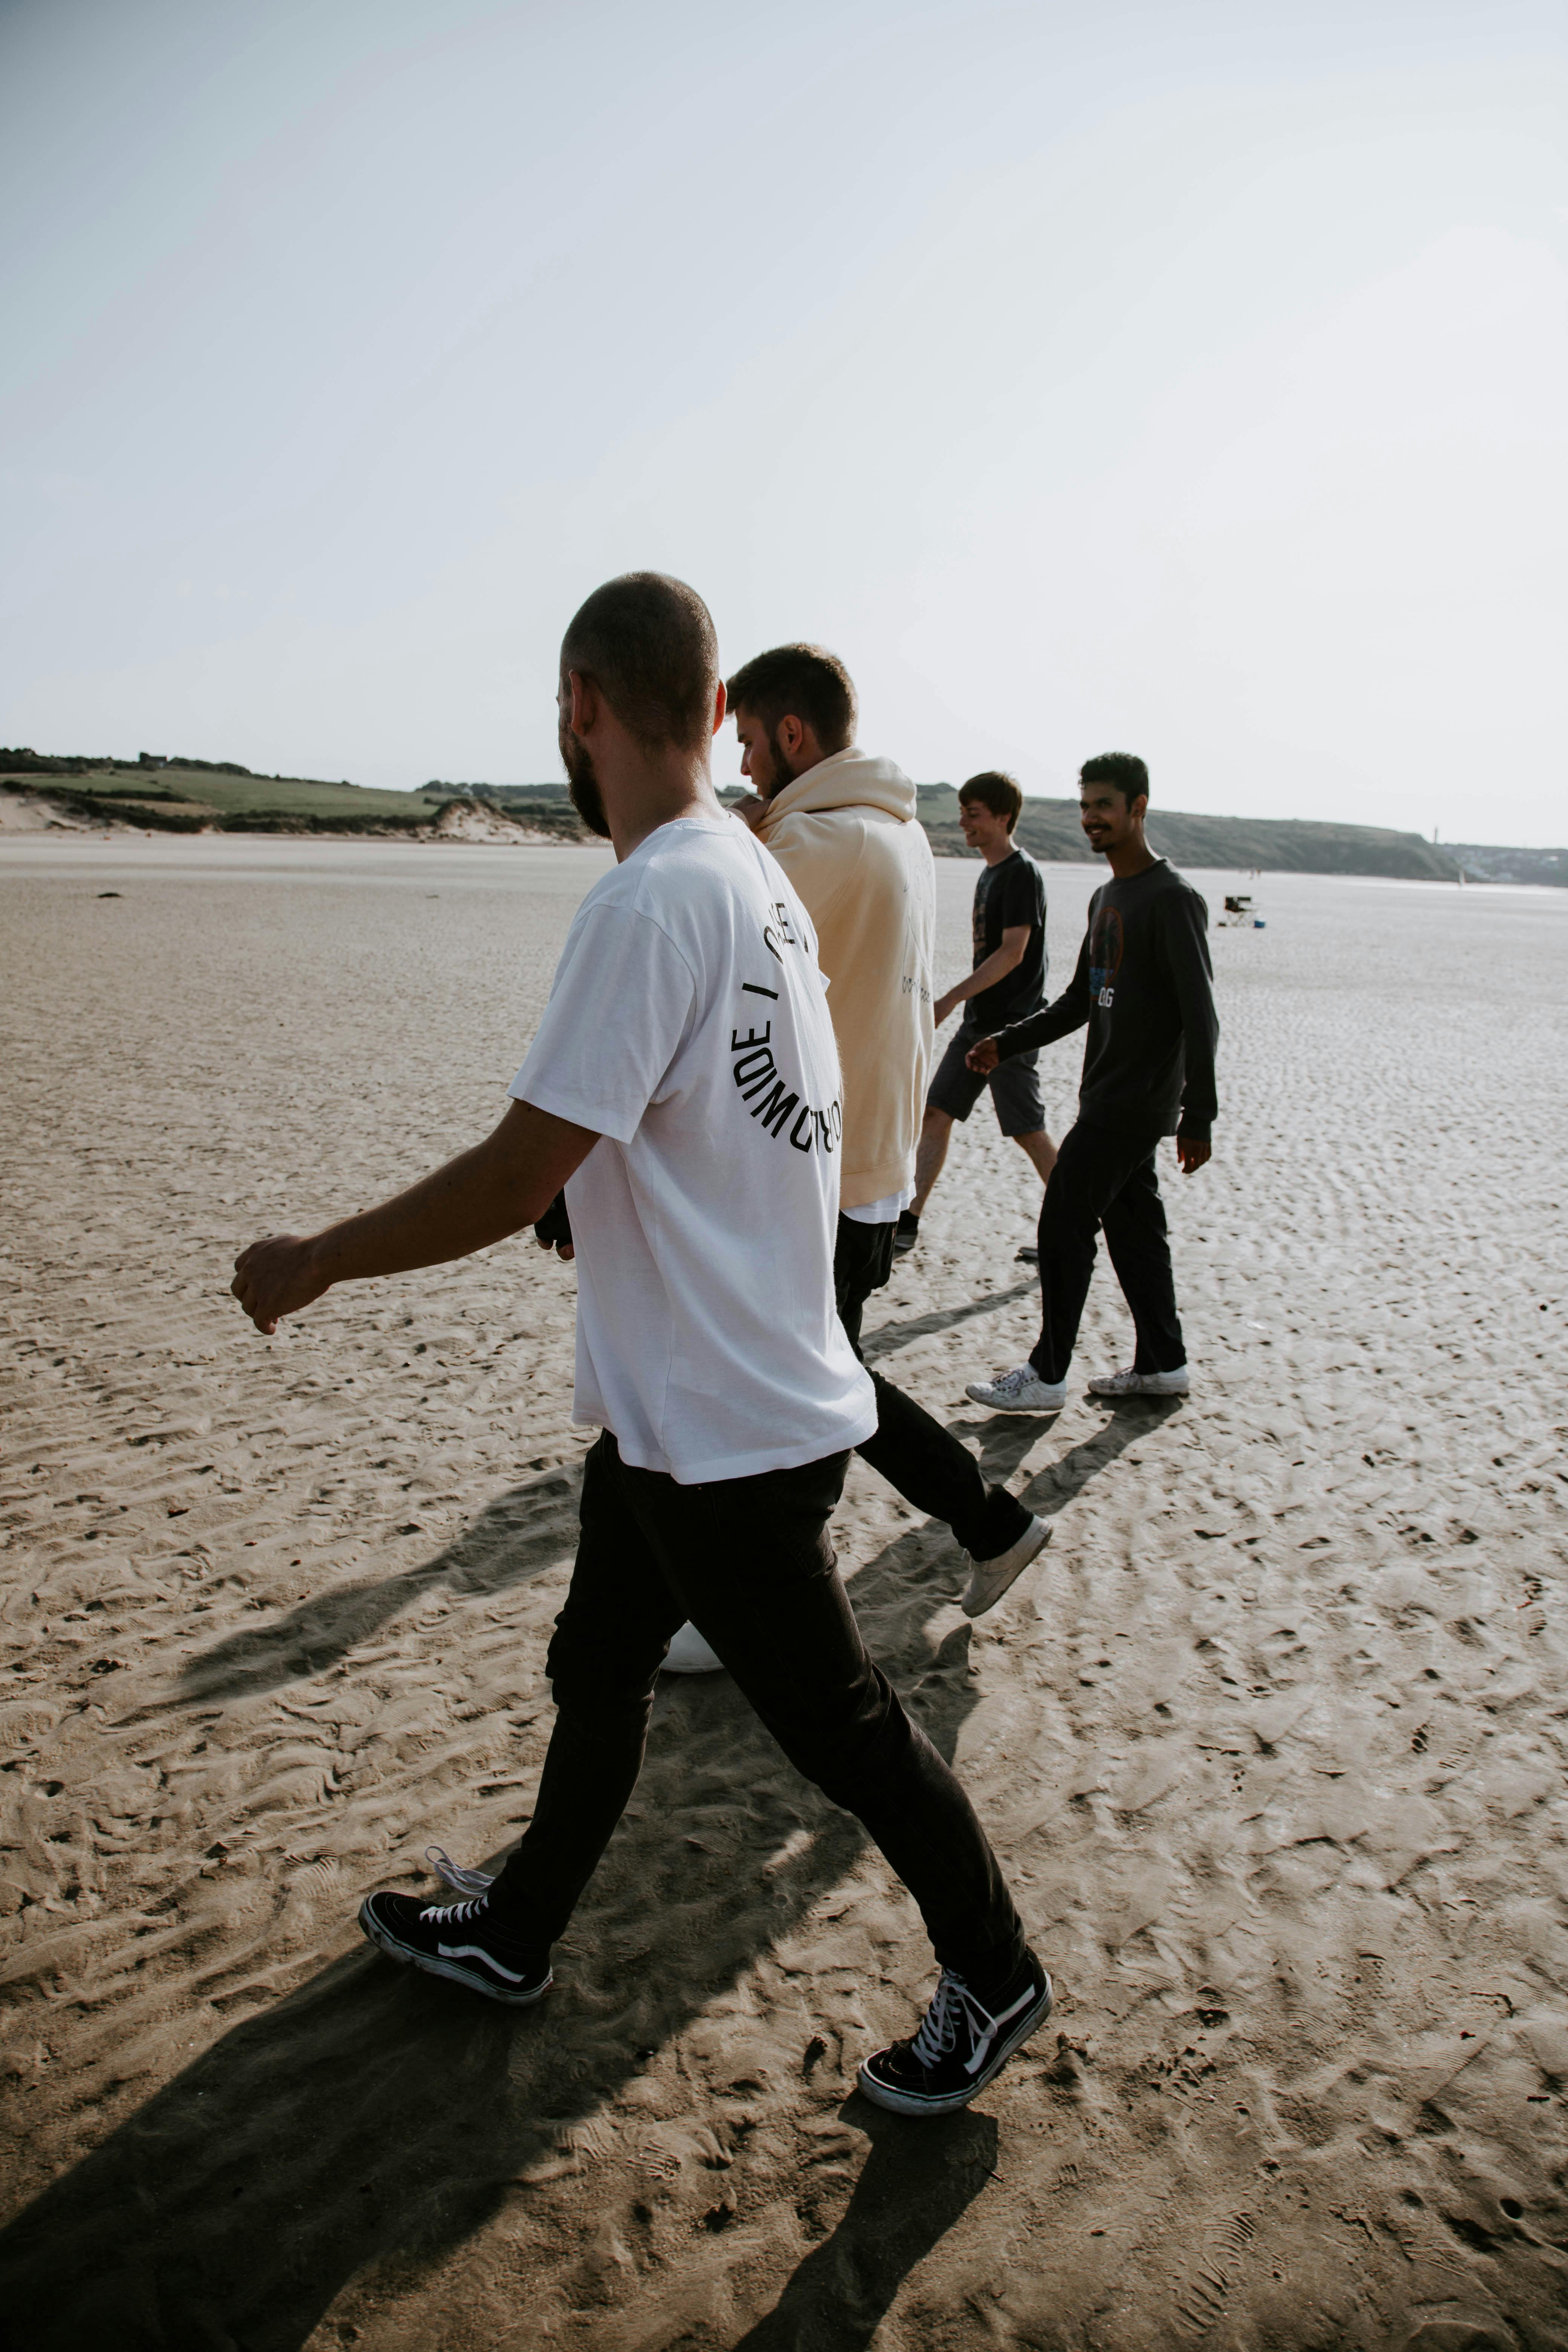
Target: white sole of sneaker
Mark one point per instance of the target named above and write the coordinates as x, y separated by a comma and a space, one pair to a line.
374, 1932
904, 2103
1005, 1404
992, 1578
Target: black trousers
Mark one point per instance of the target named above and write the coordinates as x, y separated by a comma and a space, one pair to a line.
925, 1463
748, 1562
1105, 1182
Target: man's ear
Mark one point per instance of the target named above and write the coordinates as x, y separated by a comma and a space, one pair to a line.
584, 702
720, 706
790, 735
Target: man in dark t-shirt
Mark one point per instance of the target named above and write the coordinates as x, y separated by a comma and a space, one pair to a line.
1144, 989
1008, 984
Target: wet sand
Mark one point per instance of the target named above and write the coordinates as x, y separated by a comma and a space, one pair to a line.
1272, 1738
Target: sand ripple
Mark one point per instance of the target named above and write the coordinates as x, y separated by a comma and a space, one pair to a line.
1273, 1739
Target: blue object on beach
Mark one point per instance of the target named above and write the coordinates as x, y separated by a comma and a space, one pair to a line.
1258, 924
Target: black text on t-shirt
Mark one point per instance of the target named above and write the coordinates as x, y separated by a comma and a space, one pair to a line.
778, 1108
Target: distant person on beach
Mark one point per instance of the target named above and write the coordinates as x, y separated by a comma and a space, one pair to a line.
683, 1086
1007, 984
842, 822
1144, 986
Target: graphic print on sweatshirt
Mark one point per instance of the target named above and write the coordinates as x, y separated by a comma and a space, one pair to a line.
1106, 945
780, 1106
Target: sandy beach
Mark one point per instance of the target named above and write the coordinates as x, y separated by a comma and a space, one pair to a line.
1272, 1738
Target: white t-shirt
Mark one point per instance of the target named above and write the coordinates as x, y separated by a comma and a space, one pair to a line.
885, 1211
687, 1025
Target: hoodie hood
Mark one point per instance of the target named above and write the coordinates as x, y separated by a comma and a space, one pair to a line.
852, 779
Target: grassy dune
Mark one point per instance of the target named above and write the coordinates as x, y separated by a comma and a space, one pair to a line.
185, 800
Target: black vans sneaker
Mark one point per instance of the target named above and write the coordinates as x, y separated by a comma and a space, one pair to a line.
456, 1940
907, 1232
959, 2048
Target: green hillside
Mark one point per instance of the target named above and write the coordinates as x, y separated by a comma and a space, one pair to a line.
186, 795
1050, 829
1484, 864
191, 796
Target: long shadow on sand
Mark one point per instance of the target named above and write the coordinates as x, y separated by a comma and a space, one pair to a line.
376, 2118
888, 1336
913, 2187
515, 1538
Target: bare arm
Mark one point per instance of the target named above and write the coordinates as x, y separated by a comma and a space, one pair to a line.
996, 966
1070, 1012
500, 1185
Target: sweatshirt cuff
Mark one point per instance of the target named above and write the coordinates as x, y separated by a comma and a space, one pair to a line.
1196, 1129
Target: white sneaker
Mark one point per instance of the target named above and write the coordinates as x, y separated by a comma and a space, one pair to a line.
689, 1653
1141, 1384
1020, 1391
989, 1579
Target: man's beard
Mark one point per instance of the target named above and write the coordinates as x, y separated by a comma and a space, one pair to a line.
784, 774
582, 783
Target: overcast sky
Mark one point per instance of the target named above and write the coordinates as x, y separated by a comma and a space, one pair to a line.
1181, 378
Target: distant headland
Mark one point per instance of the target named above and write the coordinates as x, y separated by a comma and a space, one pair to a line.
155, 792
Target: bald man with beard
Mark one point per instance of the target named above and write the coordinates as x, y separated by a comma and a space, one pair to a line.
709, 1354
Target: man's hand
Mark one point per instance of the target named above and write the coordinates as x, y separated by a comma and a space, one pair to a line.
751, 811
553, 1230
944, 1006
984, 1057
277, 1278
483, 1196
1192, 1154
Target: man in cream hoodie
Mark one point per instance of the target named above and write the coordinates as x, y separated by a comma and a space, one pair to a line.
842, 824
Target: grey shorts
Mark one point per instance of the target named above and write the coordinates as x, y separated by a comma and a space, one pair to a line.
1014, 1088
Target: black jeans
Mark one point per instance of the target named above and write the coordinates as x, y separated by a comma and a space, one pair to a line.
748, 1562
922, 1461
1105, 1180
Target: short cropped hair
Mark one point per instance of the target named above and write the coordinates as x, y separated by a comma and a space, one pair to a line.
1125, 769
804, 682
648, 642
998, 792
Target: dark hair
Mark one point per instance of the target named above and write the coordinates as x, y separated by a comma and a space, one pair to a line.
996, 791
647, 642
1125, 769
802, 682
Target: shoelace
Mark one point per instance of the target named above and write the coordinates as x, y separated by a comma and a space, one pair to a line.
1013, 1382
454, 1914
453, 1874
952, 2004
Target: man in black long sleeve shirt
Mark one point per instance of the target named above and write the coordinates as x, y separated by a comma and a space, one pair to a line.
1145, 987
